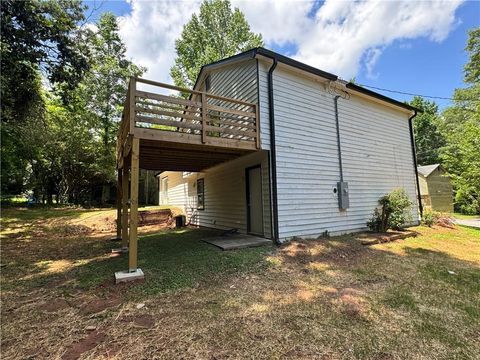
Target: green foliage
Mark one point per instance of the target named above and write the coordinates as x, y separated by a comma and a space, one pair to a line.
461, 127
428, 138
60, 141
472, 68
430, 217
105, 85
394, 212
216, 33
38, 39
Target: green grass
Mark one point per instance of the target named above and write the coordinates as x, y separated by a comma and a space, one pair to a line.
174, 260
465, 217
331, 298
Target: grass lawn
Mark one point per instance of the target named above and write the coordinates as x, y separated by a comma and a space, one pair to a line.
326, 299
465, 217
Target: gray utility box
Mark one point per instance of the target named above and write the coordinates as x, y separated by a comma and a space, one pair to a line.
342, 188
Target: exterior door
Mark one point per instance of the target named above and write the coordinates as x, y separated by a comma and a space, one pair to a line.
254, 200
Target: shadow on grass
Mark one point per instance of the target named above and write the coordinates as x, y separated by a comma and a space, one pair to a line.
171, 260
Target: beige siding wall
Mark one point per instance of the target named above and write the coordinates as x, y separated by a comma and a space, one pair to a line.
423, 185
440, 189
376, 153
225, 196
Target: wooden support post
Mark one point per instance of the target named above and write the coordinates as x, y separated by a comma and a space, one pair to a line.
132, 250
204, 117
124, 206
131, 103
119, 204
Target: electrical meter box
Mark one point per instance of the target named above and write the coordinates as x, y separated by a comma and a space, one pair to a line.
343, 201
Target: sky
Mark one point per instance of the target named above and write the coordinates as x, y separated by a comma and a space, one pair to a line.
408, 46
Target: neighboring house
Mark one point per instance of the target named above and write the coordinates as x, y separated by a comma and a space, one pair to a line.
435, 188
323, 151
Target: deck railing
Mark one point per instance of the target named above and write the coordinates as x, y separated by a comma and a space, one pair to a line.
187, 116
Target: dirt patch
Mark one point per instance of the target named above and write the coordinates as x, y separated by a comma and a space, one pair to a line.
108, 222
71, 230
352, 303
144, 321
99, 305
154, 217
84, 345
380, 238
323, 251
54, 305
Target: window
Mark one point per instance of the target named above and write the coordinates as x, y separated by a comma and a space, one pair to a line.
200, 194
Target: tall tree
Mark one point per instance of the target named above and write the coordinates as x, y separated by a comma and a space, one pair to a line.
461, 127
79, 153
105, 85
38, 40
428, 139
215, 33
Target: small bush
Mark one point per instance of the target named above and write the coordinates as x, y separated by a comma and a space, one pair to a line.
430, 218
394, 212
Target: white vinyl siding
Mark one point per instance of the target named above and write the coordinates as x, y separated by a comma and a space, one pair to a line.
225, 194
376, 154
263, 68
181, 194
238, 81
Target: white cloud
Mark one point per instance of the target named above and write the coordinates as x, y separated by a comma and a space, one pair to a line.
149, 33
339, 36
341, 33
371, 58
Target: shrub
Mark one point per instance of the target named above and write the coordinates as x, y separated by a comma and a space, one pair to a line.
430, 218
394, 212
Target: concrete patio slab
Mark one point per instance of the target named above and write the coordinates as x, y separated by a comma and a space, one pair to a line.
237, 241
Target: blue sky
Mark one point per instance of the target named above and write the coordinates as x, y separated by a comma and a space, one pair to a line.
424, 54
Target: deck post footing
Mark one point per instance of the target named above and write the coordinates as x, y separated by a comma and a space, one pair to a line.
120, 250
128, 275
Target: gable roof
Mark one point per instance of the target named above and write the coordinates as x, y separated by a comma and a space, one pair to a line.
427, 169
252, 53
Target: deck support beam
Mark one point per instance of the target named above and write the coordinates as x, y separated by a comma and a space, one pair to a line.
125, 208
119, 206
134, 177
133, 272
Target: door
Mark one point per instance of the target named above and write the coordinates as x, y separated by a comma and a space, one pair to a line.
254, 200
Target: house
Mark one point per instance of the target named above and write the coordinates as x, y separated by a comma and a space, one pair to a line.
266, 145
435, 188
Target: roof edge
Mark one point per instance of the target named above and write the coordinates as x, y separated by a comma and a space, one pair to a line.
252, 53
379, 96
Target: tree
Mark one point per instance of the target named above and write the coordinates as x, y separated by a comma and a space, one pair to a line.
461, 127
38, 41
79, 152
216, 33
105, 85
428, 139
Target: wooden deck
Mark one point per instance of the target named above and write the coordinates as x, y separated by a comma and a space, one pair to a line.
174, 129
185, 130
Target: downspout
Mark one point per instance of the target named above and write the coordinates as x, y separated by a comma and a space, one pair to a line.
339, 146
273, 153
414, 154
